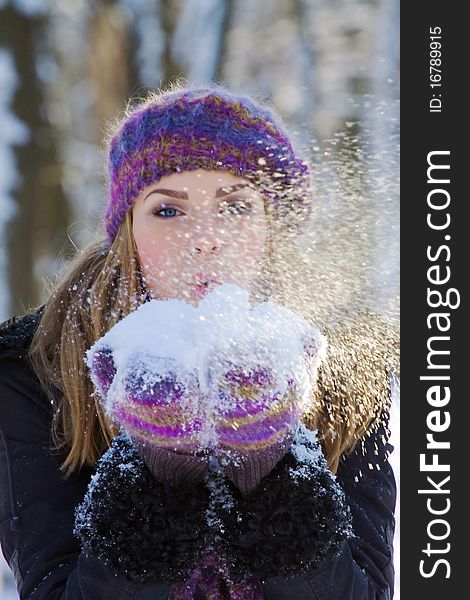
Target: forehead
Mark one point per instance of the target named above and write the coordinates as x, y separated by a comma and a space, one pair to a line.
210, 180
200, 185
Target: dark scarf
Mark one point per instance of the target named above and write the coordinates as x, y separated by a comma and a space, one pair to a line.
209, 539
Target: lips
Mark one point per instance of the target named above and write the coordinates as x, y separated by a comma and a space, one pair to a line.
204, 283
204, 279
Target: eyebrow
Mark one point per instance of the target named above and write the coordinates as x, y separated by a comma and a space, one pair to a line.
223, 191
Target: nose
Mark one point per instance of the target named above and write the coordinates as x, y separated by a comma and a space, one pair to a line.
206, 239
202, 249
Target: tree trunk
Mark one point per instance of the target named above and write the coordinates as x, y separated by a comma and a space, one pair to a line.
38, 228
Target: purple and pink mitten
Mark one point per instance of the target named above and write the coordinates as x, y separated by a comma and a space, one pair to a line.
187, 389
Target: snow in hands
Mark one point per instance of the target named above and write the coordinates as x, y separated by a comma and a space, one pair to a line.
193, 376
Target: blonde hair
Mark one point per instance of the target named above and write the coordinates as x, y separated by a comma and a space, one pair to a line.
104, 283
101, 286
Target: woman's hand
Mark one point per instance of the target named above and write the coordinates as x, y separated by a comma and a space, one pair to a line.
255, 419
224, 379
156, 401
262, 388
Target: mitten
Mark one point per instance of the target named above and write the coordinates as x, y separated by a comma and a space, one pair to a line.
253, 424
224, 378
150, 395
263, 383
151, 400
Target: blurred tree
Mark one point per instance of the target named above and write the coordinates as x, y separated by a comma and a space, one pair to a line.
198, 41
169, 17
317, 60
37, 230
110, 57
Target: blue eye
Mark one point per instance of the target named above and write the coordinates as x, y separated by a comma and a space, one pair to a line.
158, 212
236, 208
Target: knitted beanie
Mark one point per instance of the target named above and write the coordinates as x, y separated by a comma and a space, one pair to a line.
204, 127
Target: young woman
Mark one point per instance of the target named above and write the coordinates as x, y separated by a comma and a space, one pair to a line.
205, 189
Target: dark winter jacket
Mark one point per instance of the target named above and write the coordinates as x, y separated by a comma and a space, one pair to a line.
37, 507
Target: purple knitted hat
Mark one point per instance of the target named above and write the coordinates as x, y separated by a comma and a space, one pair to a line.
207, 127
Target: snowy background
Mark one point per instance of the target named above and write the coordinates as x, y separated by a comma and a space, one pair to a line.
330, 68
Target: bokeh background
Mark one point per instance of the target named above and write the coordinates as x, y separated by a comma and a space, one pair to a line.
330, 67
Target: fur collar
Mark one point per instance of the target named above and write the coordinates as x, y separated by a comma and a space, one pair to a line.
16, 333
294, 520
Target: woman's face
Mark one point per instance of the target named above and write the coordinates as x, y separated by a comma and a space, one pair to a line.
197, 229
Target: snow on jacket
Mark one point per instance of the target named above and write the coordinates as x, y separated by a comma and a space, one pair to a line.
38, 532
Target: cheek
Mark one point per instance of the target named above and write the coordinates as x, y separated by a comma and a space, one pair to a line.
254, 244
256, 251
149, 246
249, 248
149, 253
